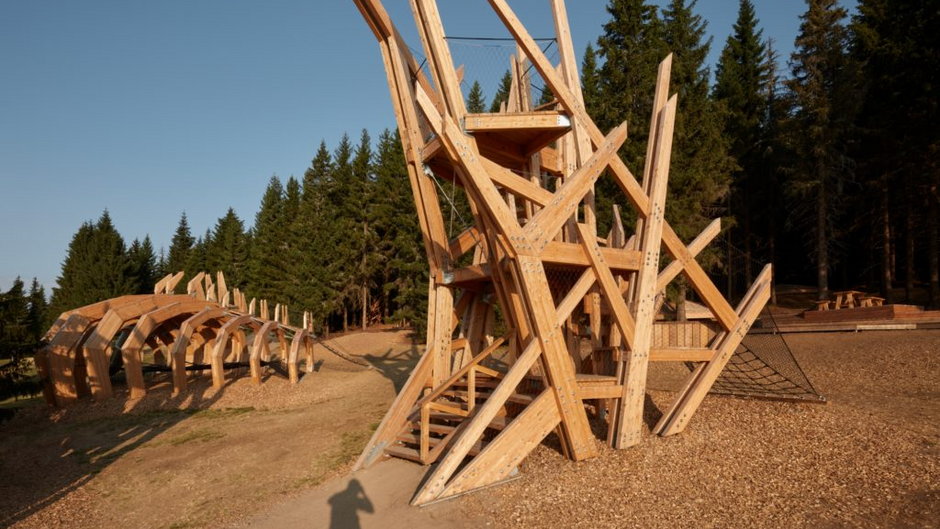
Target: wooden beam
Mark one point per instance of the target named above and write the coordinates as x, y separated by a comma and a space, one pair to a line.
546, 119
700, 382
629, 417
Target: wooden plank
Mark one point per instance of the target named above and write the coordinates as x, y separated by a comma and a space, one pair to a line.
674, 268
546, 119
681, 354
476, 425
547, 222
700, 382
608, 284
629, 417
502, 455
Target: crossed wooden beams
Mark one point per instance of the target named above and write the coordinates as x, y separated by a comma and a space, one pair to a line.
523, 233
178, 329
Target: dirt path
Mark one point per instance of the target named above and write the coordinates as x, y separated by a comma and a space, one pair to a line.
376, 498
207, 460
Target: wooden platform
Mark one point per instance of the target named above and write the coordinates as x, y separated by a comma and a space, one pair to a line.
886, 317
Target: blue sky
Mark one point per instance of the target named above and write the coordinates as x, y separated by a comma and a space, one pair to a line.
151, 108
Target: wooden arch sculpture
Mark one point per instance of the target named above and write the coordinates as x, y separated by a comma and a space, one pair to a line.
527, 232
75, 359
146, 326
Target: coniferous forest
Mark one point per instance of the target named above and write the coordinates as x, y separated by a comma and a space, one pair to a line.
825, 163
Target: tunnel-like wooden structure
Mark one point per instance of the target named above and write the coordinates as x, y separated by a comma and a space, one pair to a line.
529, 175
182, 333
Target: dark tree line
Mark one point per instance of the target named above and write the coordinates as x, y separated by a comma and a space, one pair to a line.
828, 169
342, 242
826, 166
22, 324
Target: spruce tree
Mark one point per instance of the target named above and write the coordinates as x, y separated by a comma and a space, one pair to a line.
631, 47
38, 310
895, 44
403, 267
822, 95
342, 262
312, 226
227, 251
700, 168
476, 101
502, 92
72, 283
590, 81
288, 286
362, 232
198, 259
143, 265
180, 247
741, 79
266, 265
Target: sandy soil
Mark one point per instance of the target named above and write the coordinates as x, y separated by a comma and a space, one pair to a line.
206, 460
259, 456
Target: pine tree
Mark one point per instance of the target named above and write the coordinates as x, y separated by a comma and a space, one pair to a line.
180, 247
38, 310
502, 92
590, 81
362, 236
700, 169
821, 90
312, 226
266, 265
895, 45
143, 265
227, 251
70, 290
403, 268
198, 259
741, 78
476, 101
631, 48
340, 265
288, 287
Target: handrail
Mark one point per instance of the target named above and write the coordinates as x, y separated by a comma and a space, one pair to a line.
462, 371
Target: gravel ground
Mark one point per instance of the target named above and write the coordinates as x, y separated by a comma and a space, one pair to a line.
869, 458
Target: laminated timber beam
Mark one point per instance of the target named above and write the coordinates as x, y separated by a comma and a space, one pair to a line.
537, 257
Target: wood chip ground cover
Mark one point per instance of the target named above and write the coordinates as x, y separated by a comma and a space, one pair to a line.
867, 459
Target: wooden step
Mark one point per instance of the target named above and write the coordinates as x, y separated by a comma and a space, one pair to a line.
498, 423
403, 452
517, 398
415, 439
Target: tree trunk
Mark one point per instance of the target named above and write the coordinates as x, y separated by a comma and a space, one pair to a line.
909, 251
345, 318
364, 299
933, 246
680, 302
822, 243
886, 282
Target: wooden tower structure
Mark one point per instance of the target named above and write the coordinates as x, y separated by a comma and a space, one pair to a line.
537, 261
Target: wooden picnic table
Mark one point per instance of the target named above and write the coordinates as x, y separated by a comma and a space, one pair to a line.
847, 299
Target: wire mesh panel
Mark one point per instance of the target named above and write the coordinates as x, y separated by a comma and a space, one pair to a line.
487, 61
764, 366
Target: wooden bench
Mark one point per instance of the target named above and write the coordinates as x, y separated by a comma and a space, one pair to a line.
872, 301
822, 305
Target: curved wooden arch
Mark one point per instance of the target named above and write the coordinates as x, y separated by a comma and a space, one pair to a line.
231, 327
147, 325
301, 338
57, 361
261, 348
98, 343
178, 354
